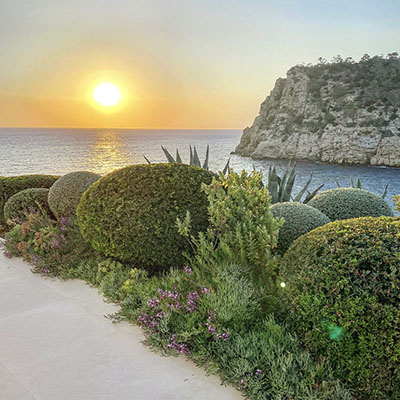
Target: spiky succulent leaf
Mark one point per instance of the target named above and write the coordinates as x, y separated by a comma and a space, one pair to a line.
205, 164
168, 155
273, 185
287, 192
178, 157
148, 161
311, 195
196, 159
384, 193
226, 168
282, 185
303, 190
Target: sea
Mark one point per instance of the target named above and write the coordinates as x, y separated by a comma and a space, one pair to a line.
59, 151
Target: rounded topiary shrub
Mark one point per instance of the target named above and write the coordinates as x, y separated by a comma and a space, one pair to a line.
130, 214
299, 219
343, 290
65, 194
28, 200
10, 185
344, 203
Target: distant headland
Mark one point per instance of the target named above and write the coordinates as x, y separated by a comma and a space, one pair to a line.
342, 112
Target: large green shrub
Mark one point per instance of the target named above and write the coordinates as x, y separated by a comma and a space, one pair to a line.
13, 184
242, 230
29, 200
131, 213
299, 219
344, 203
343, 287
65, 194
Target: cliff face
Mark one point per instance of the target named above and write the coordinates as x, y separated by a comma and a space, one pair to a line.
341, 112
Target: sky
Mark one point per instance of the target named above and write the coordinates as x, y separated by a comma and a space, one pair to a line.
178, 63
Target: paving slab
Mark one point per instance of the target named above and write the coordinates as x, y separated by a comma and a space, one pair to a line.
11, 388
56, 343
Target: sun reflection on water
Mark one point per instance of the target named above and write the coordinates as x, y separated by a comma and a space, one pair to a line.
107, 153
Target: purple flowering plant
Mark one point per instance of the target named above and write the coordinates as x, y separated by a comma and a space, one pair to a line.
176, 315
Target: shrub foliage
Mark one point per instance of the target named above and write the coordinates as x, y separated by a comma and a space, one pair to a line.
299, 219
344, 203
130, 214
22, 203
242, 228
14, 184
343, 285
65, 194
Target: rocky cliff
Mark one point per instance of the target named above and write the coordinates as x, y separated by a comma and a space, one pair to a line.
338, 112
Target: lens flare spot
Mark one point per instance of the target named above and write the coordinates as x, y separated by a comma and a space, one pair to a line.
335, 333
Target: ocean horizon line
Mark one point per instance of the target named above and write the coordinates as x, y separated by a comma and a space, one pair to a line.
122, 129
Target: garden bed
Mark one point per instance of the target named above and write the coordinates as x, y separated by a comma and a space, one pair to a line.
220, 293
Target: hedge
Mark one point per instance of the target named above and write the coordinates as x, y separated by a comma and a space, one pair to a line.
299, 219
14, 184
343, 288
65, 194
131, 213
345, 203
25, 201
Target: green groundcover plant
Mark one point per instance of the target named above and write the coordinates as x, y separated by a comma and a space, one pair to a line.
343, 290
218, 322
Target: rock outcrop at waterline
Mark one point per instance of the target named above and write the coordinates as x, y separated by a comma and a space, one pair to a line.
340, 112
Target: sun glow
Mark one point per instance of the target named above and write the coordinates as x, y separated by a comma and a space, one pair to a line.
107, 94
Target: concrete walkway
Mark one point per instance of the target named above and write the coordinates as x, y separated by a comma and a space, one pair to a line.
56, 344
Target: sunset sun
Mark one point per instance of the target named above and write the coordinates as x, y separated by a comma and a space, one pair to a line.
107, 94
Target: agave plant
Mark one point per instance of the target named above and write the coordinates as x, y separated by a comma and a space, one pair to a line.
281, 189
194, 159
358, 185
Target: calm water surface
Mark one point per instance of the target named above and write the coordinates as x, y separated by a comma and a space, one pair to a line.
59, 151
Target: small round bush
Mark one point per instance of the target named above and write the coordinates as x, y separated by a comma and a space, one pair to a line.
28, 200
299, 219
343, 289
65, 194
131, 213
10, 185
345, 203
